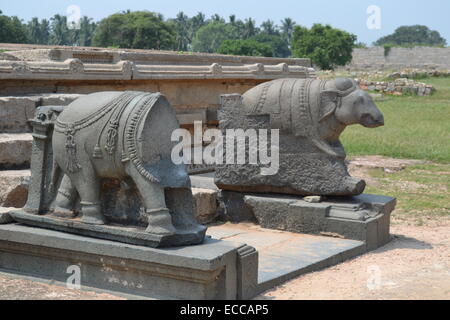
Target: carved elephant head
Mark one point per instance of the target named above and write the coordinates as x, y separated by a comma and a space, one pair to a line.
350, 105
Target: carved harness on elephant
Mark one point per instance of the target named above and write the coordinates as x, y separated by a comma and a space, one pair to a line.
298, 107
115, 109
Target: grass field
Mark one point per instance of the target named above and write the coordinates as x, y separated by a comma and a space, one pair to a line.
415, 127
422, 191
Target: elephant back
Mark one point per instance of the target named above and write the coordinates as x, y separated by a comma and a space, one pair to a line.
148, 141
292, 104
85, 107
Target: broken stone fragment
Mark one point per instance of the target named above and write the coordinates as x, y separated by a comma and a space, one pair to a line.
205, 205
313, 199
5, 218
14, 188
15, 150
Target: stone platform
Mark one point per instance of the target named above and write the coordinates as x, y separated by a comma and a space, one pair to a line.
184, 235
236, 261
364, 218
213, 270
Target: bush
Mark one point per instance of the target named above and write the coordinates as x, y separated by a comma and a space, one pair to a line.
325, 46
210, 37
12, 30
245, 48
138, 30
412, 36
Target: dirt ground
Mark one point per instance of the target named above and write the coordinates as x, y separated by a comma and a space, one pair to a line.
414, 265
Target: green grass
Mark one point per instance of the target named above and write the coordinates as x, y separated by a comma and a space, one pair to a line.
421, 190
415, 127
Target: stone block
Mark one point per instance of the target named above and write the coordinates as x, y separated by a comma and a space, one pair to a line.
5, 217
364, 217
15, 112
14, 188
205, 205
15, 150
233, 207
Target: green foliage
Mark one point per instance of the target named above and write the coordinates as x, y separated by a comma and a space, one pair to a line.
12, 30
387, 49
209, 37
327, 47
60, 32
279, 46
361, 45
287, 29
412, 35
86, 32
245, 48
138, 30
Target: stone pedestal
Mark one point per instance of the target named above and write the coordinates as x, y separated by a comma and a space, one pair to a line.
215, 269
365, 217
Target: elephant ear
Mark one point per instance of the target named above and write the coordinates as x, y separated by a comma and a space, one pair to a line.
328, 103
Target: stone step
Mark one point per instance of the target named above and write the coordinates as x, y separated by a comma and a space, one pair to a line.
15, 150
285, 255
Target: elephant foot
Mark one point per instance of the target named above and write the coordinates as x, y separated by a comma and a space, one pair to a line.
160, 222
64, 204
92, 214
355, 186
63, 212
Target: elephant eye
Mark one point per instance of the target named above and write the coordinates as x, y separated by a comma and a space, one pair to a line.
360, 100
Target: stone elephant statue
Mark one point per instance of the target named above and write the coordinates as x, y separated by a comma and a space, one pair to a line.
309, 116
317, 109
118, 135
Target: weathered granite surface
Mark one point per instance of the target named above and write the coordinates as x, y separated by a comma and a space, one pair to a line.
76, 64
15, 111
106, 159
15, 150
212, 270
309, 115
14, 188
365, 217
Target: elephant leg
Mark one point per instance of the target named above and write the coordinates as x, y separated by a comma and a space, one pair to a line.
66, 197
158, 215
88, 186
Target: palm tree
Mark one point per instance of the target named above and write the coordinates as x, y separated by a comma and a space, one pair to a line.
287, 28
59, 30
217, 18
269, 27
45, 31
34, 31
87, 29
250, 29
182, 31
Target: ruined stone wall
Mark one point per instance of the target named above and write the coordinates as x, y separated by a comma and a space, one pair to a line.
400, 58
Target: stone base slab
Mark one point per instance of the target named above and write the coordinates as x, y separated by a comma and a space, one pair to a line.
213, 270
365, 217
131, 235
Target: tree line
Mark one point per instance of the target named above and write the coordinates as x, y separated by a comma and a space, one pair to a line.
326, 46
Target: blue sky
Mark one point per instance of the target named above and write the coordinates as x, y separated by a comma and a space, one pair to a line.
349, 15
